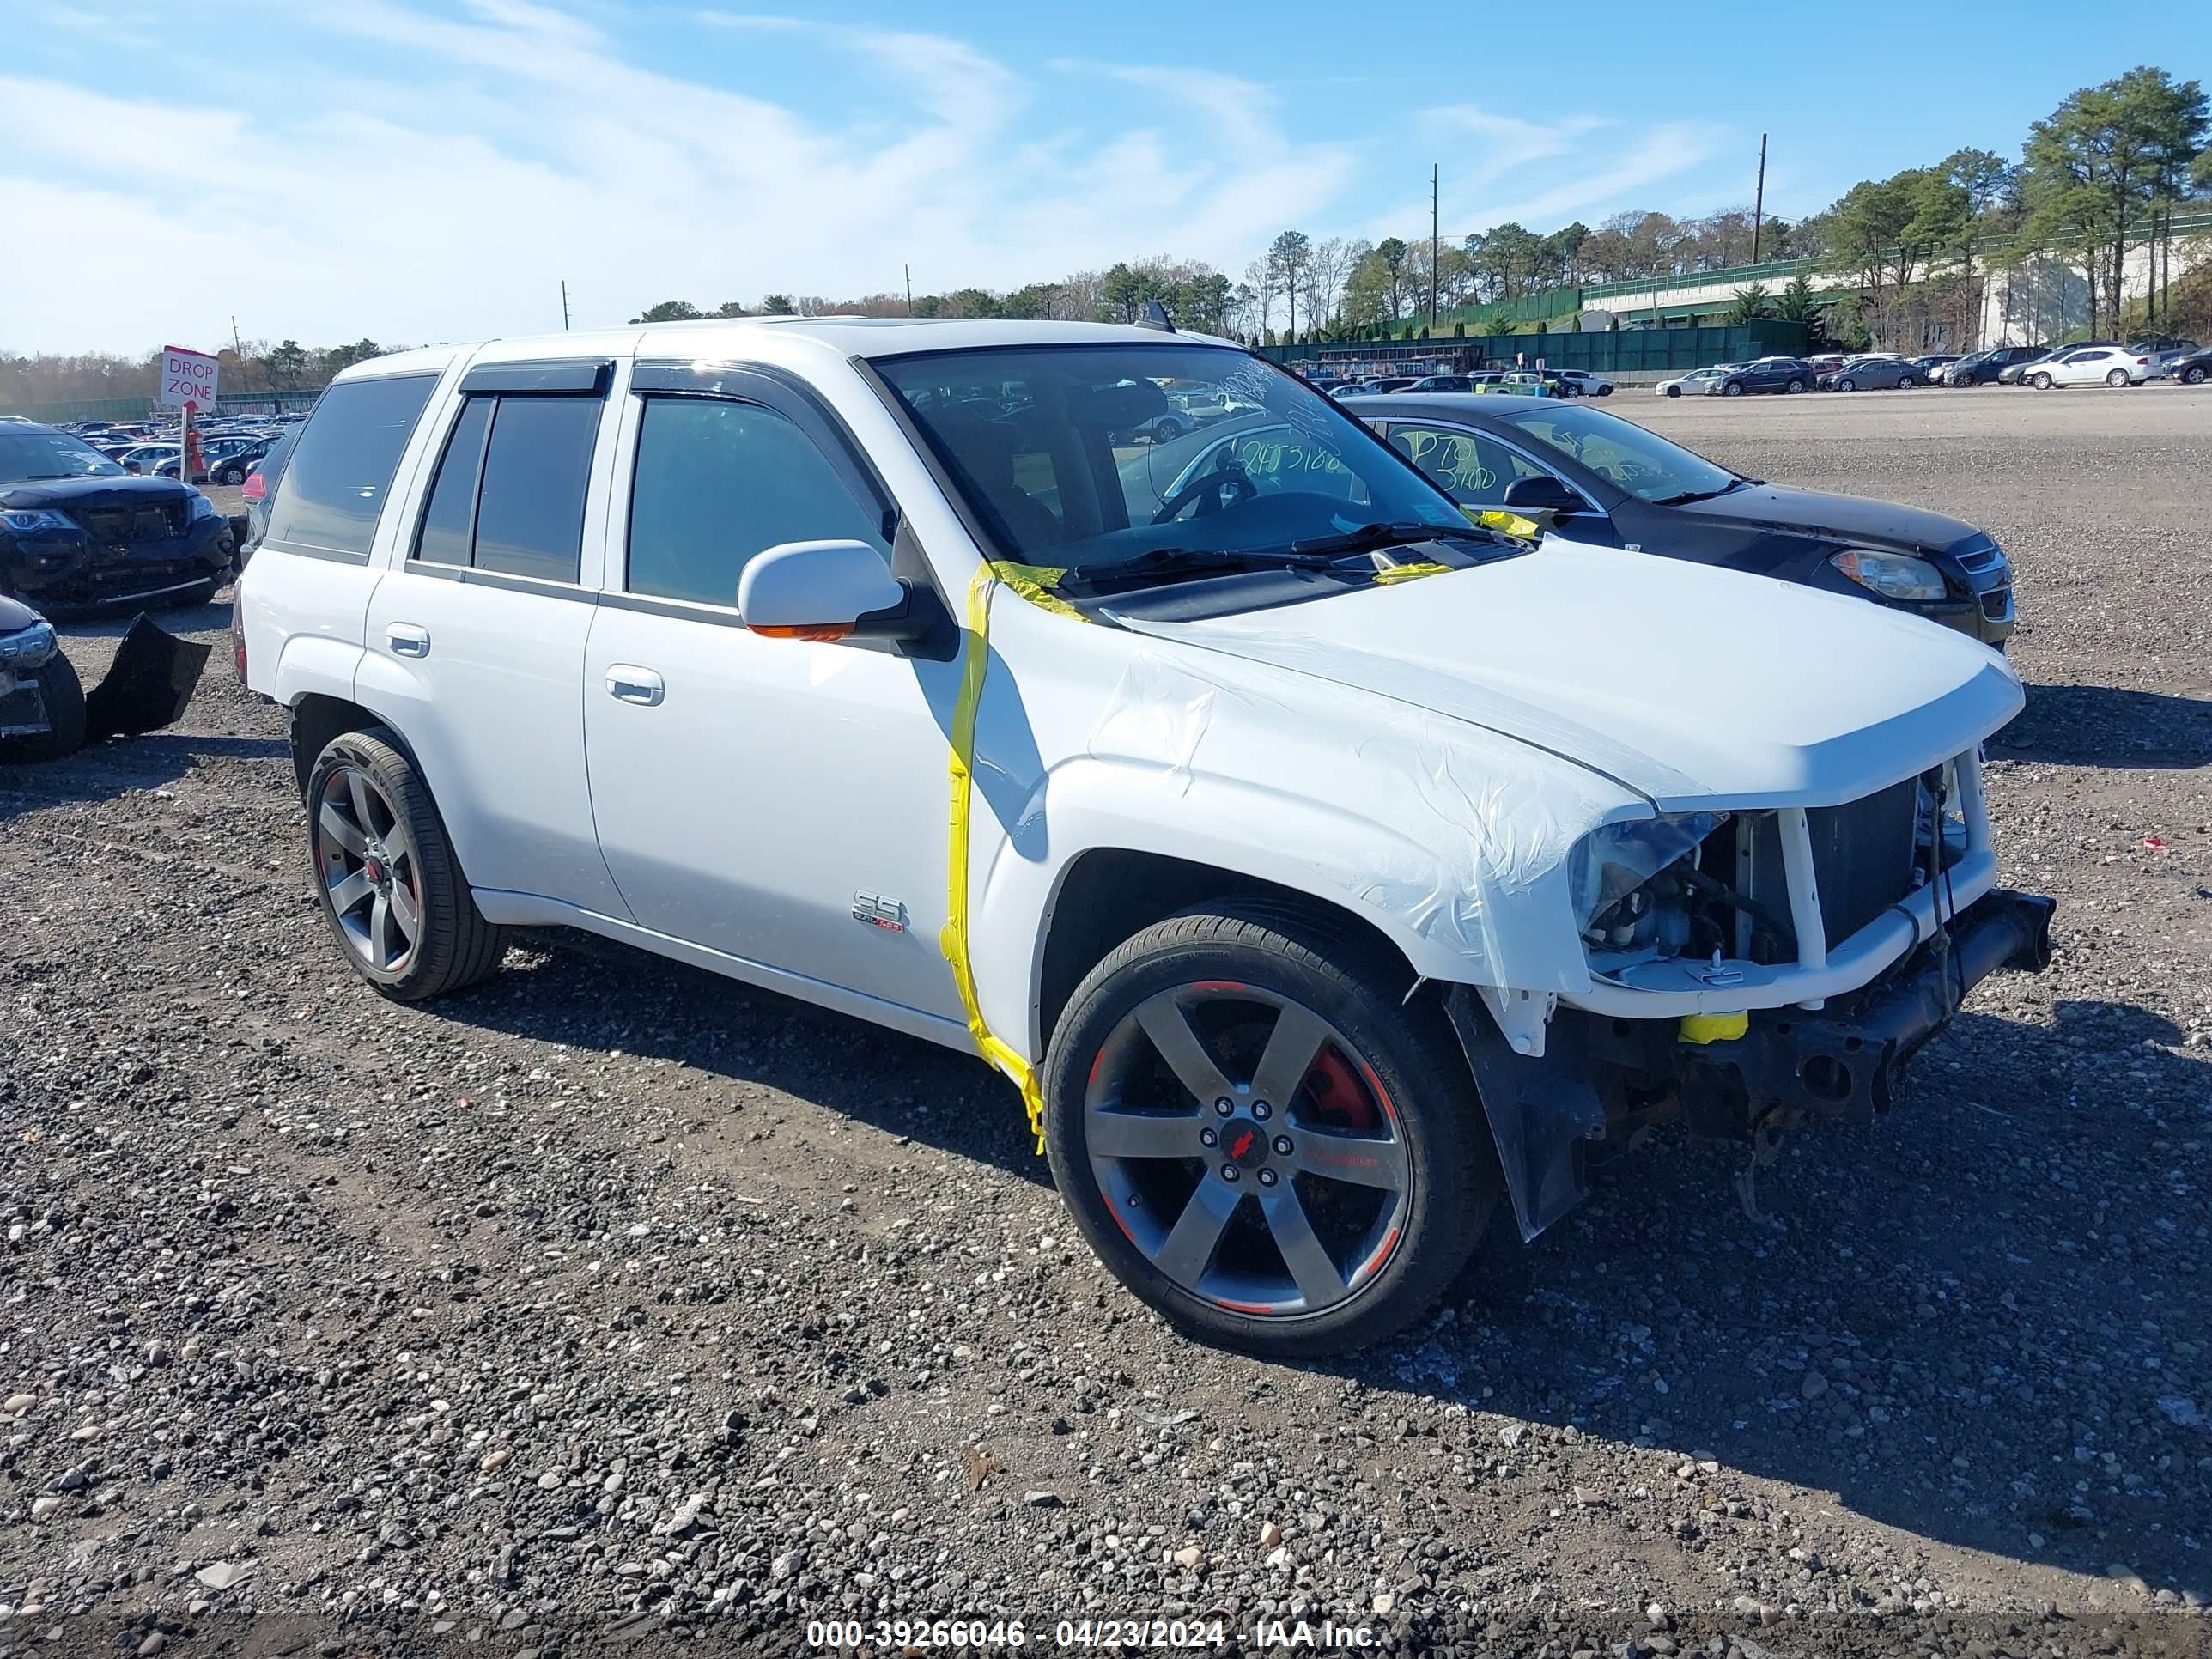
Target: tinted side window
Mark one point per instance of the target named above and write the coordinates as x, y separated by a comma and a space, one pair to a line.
717, 482
340, 470
1473, 471
530, 507
443, 538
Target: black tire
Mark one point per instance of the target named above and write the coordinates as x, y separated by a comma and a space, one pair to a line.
1963, 379
231, 474
1847, 385
2118, 377
1733, 388
2041, 382
1674, 392
1605, 391
1796, 387
1410, 1058
453, 946
63, 694
1905, 383
2193, 376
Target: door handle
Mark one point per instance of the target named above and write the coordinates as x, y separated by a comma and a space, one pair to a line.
639, 685
406, 640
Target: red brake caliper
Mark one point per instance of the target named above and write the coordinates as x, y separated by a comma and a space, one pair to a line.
1334, 1090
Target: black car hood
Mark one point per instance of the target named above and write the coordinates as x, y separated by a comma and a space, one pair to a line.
15, 615
1842, 517
108, 490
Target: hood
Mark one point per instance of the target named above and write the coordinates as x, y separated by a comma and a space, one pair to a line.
109, 489
15, 615
1837, 517
1690, 685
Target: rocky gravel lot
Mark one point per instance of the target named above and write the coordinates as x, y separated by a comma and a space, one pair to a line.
614, 1304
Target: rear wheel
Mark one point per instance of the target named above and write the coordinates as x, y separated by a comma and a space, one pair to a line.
1261, 1139
1796, 387
1905, 383
2117, 377
390, 889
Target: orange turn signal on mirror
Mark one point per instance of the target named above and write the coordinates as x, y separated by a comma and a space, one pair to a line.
814, 632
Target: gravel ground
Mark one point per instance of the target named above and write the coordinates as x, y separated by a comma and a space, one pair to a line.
613, 1302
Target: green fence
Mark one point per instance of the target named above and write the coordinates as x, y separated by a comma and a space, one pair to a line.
141, 409
1629, 350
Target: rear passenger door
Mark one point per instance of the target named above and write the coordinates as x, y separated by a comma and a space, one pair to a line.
476, 637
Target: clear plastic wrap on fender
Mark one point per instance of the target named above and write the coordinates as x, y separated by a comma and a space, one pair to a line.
1460, 835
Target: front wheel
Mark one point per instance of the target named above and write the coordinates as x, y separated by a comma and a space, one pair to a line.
1733, 388
1260, 1137
389, 887
1965, 380
2041, 382
1847, 385
1674, 392
231, 474
2117, 377
2193, 376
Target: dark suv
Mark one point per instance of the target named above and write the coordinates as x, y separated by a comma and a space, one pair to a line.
1768, 374
1982, 367
76, 529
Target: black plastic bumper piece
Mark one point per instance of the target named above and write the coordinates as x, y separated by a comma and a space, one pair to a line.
1794, 1066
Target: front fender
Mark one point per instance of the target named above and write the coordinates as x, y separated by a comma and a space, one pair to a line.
1450, 840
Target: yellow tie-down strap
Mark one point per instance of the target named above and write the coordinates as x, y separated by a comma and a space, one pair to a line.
1034, 583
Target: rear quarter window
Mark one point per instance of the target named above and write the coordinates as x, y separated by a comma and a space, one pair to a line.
339, 474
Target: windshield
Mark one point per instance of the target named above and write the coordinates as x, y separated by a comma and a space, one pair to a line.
1092, 456
25, 456
1642, 463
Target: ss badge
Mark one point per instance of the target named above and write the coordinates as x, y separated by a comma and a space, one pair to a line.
877, 911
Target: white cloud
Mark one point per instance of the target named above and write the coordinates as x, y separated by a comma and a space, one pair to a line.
435, 174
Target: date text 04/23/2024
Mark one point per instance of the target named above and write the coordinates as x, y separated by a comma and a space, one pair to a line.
910, 1635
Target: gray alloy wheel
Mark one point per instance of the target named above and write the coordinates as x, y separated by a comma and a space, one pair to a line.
1964, 378
2041, 382
2117, 377
387, 881
1847, 385
1796, 387
367, 863
1733, 388
1228, 1186
1905, 383
231, 474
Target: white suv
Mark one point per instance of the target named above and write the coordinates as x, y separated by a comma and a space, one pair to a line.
1323, 867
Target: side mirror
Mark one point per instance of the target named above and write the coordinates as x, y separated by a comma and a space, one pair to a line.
1541, 495
821, 591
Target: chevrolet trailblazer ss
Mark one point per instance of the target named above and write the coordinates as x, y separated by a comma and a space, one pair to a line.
1326, 869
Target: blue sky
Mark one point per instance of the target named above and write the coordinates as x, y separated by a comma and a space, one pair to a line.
431, 169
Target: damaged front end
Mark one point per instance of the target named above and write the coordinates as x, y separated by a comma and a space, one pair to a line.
45, 713
1717, 997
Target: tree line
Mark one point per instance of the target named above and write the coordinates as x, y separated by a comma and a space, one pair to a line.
248, 367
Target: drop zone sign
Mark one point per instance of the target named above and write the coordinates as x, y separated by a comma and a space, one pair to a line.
188, 379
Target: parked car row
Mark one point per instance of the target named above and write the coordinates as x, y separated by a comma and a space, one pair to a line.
1529, 382
2086, 362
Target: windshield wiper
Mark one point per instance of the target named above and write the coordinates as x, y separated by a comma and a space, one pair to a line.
1182, 560
1689, 496
1370, 535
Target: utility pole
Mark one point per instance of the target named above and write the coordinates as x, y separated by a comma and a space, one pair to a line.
1433, 245
1759, 200
908, 270
564, 305
238, 347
